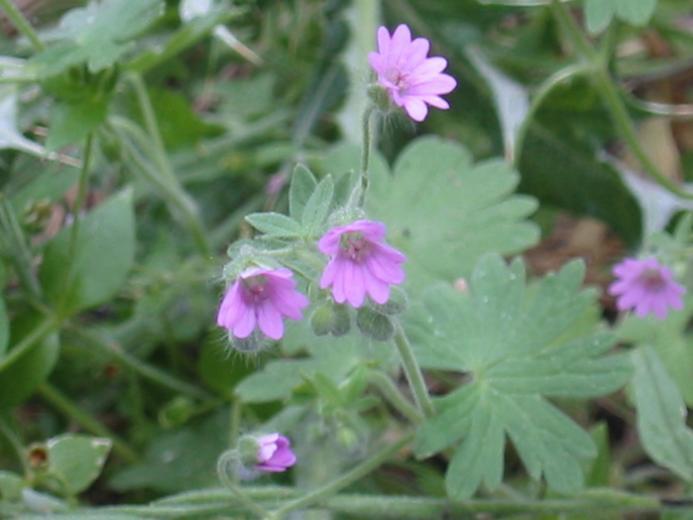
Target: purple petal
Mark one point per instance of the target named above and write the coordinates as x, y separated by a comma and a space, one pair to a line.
383, 40
338, 283
270, 320
415, 108
355, 287
328, 274
245, 323
378, 290
441, 84
430, 67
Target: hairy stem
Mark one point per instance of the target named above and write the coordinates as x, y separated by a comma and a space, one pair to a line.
391, 393
366, 150
361, 470
413, 371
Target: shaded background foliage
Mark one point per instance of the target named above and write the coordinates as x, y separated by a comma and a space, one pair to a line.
112, 333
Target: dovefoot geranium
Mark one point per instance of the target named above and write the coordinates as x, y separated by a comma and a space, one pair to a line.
261, 298
274, 453
360, 263
411, 78
647, 287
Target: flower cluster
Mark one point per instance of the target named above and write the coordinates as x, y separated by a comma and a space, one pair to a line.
361, 263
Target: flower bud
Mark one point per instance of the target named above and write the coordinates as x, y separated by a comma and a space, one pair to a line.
397, 303
373, 324
330, 319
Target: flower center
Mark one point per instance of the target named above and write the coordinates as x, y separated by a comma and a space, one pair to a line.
652, 280
397, 78
355, 247
256, 288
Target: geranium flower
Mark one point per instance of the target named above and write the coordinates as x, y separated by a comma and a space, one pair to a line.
647, 287
411, 79
261, 298
360, 263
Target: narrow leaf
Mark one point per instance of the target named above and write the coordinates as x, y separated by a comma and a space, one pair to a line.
302, 186
318, 206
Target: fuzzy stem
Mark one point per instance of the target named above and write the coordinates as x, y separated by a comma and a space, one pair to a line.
413, 371
361, 470
86, 421
21, 23
43, 329
227, 459
389, 390
366, 150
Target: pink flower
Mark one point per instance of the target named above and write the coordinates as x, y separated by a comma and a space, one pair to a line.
261, 297
274, 453
411, 78
361, 262
646, 286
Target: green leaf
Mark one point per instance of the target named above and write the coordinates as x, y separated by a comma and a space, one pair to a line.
302, 187
598, 14
71, 122
77, 460
180, 460
274, 225
221, 369
443, 211
672, 340
97, 34
661, 414
518, 344
4, 327
11, 486
318, 206
103, 255
636, 12
20, 377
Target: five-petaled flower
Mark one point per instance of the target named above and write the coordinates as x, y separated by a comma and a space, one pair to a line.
274, 453
646, 286
261, 297
360, 262
410, 77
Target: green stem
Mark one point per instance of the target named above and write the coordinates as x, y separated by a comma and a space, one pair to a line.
80, 199
611, 98
13, 440
85, 420
361, 470
413, 372
21, 23
366, 150
159, 155
228, 460
17, 248
46, 327
389, 390
389, 506
140, 367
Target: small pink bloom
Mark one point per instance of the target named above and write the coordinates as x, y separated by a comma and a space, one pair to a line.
361, 262
647, 287
274, 453
261, 297
412, 79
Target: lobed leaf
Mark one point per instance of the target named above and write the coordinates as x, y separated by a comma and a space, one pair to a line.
519, 345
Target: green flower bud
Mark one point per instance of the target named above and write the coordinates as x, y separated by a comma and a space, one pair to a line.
330, 319
397, 303
373, 324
